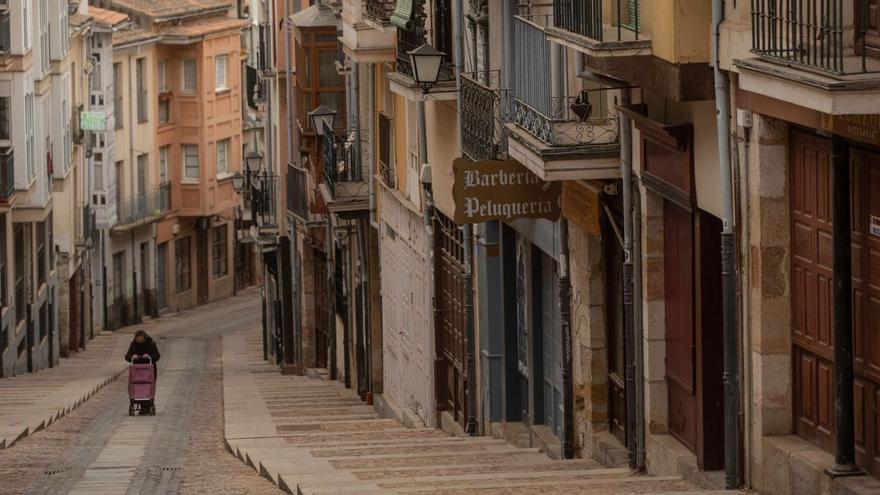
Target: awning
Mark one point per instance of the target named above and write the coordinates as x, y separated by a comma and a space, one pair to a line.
402, 16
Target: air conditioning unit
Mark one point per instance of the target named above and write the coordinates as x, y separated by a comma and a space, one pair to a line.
175, 229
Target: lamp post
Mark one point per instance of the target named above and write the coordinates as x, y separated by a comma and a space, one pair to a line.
322, 117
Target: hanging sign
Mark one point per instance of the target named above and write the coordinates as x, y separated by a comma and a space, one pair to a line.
580, 205
501, 190
92, 121
875, 226
863, 128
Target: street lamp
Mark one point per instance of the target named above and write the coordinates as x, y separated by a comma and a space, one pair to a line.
237, 182
252, 163
322, 116
425, 61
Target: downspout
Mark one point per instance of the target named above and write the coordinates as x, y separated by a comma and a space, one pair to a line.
728, 262
638, 327
132, 160
467, 240
294, 257
567, 362
628, 255
356, 118
427, 205
371, 130
746, 285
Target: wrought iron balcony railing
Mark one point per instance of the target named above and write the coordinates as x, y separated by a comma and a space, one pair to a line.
7, 174
88, 227
297, 194
150, 205
379, 10
341, 160
484, 110
586, 18
557, 120
812, 34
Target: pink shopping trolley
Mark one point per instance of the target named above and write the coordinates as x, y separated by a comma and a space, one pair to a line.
142, 387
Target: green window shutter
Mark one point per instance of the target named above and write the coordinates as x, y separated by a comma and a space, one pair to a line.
633, 18
402, 16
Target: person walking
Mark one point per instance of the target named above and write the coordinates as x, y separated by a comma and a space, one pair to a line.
142, 347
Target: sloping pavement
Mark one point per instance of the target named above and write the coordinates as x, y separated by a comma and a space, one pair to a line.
311, 436
33, 401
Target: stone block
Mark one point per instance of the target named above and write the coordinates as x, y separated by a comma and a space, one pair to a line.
654, 319
771, 325
769, 130
655, 360
769, 178
657, 407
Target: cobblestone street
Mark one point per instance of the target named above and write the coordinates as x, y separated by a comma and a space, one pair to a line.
97, 448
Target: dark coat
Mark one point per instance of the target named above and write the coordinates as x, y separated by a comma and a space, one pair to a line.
148, 346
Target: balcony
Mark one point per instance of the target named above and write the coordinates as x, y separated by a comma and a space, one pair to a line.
411, 34
379, 11
7, 175
367, 33
345, 187
484, 108
817, 55
601, 28
143, 209
297, 192
558, 137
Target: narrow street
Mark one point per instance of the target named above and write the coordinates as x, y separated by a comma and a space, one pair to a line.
99, 449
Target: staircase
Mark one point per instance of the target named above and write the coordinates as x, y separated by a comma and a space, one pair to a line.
313, 436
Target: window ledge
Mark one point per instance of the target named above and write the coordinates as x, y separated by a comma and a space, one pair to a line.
222, 91
190, 181
224, 176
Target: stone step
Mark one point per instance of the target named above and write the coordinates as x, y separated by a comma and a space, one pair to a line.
499, 456
598, 485
417, 447
474, 469
372, 440
325, 420
338, 426
322, 411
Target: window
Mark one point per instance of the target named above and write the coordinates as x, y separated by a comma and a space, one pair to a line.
67, 140
220, 71
222, 156
20, 257
191, 162
44, 36
4, 117
161, 77
142, 161
163, 163
188, 81
164, 99
141, 90
29, 132
117, 94
182, 267
41, 253
218, 251
4, 297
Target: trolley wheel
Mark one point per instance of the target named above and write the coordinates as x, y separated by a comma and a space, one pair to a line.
152, 409
131, 410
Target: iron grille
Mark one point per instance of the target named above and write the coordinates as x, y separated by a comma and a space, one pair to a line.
410, 39
808, 33
385, 168
297, 199
585, 17
557, 120
482, 115
380, 10
149, 205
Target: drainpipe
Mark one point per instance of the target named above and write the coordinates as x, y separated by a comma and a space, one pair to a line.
844, 447
357, 172
467, 239
728, 262
565, 319
371, 130
294, 258
628, 255
638, 327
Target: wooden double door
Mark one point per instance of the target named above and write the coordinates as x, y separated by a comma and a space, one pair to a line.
694, 343
812, 289
450, 319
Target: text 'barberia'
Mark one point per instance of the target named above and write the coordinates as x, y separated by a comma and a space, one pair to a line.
501, 190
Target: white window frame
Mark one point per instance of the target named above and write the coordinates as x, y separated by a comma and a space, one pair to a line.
29, 135
184, 88
162, 76
222, 165
163, 163
221, 72
186, 175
